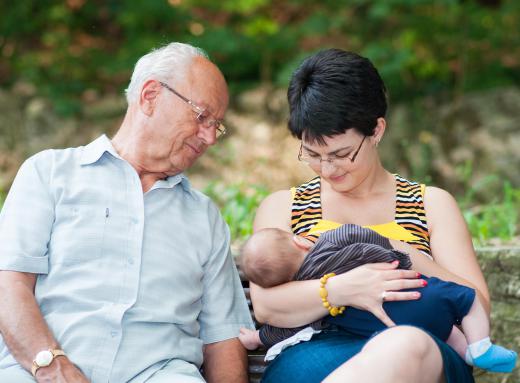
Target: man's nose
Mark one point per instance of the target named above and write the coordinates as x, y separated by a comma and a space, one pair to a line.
208, 134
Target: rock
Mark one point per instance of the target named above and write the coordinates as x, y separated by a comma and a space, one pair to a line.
501, 267
468, 144
254, 100
106, 107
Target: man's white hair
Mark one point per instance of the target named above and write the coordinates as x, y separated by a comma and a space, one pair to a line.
162, 64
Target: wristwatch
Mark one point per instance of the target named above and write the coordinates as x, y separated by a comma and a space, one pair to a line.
44, 358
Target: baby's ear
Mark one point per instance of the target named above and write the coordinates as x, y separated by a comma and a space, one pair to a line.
302, 243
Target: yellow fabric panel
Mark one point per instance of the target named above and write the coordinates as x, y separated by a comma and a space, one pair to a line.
423, 188
293, 192
389, 230
393, 230
322, 226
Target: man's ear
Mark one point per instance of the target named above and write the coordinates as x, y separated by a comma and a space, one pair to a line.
302, 243
148, 96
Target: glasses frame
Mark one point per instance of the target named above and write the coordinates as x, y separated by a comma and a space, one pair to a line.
329, 160
200, 112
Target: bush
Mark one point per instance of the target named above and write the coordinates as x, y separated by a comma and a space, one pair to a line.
498, 219
238, 204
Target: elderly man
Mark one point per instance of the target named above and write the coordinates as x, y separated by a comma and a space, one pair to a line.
113, 268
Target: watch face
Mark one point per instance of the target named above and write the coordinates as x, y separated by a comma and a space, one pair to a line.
44, 358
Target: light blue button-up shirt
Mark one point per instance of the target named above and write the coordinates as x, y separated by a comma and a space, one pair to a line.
127, 281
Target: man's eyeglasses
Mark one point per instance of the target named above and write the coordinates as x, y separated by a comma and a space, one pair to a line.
202, 115
334, 159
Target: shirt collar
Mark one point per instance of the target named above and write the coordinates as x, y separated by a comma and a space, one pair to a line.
172, 181
95, 150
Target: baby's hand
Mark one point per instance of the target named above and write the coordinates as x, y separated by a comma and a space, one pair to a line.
250, 338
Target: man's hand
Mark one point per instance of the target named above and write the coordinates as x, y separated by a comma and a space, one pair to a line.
61, 370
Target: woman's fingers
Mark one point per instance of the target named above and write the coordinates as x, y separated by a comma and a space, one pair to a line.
401, 274
383, 265
380, 313
401, 296
402, 284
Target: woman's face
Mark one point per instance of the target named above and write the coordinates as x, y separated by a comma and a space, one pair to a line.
343, 161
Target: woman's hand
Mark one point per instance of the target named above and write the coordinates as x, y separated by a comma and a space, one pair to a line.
365, 287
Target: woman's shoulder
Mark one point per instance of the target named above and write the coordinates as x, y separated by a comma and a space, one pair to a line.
280, 197
441, 207
431, 195
274, 211
435, 196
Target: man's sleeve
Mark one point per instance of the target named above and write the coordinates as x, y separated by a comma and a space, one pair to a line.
224, 306
26, 219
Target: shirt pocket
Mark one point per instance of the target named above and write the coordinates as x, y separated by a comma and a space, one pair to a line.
78, 234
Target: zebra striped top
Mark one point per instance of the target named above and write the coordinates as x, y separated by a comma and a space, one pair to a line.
409, 223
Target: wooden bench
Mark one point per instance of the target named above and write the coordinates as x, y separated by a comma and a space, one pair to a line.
255, 358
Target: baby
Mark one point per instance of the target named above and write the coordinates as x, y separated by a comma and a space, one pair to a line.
272, 257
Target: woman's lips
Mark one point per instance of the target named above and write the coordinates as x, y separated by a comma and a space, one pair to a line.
337, 178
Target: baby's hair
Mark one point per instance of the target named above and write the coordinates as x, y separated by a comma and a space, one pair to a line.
266, 260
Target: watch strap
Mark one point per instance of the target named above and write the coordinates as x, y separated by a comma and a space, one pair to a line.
55, 353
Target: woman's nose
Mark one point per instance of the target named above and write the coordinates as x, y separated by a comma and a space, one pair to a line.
327, 168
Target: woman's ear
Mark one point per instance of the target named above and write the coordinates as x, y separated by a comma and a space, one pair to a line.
379, 130
302, 243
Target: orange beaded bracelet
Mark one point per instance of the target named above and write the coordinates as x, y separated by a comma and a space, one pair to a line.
333, 310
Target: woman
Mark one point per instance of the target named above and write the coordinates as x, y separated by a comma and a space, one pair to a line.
337, 109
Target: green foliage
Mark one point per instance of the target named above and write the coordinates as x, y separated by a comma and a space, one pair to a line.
421, 47
497, 219
238, 204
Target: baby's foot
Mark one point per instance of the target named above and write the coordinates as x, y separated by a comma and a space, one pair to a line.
496, 359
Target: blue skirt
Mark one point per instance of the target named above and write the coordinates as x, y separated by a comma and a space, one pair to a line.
313, 361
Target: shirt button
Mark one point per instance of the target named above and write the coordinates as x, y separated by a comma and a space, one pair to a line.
131, 261
113, 334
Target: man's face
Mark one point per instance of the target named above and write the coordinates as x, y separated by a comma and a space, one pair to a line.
179, 138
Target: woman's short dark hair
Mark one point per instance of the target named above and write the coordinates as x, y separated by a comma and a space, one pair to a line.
333, 91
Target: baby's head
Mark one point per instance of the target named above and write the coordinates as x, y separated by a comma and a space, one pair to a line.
273, 256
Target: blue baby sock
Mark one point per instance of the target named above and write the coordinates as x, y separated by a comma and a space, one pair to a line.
488, 356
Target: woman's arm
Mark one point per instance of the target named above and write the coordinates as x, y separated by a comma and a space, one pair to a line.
292, 304
451, 244
450, 241
298, 303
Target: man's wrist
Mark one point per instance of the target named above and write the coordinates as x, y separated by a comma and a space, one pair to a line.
46, 359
